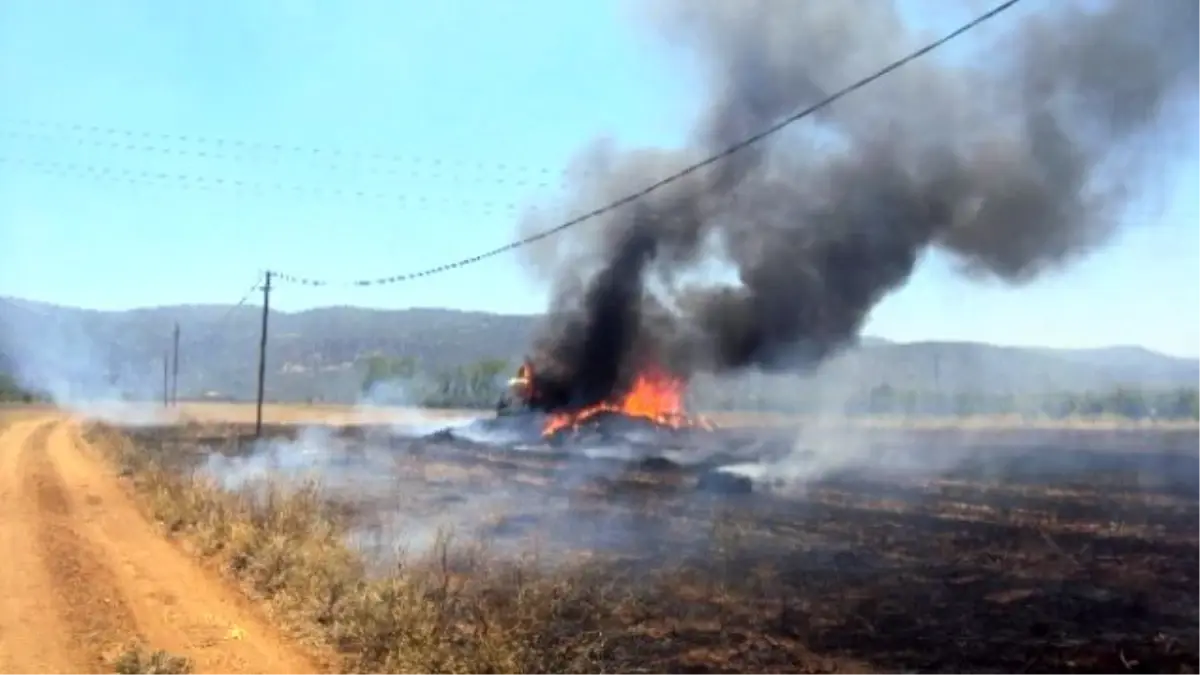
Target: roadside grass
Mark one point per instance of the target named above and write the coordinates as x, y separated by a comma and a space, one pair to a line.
15, 412
456, 610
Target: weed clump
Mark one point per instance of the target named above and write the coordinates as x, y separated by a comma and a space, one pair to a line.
136, 660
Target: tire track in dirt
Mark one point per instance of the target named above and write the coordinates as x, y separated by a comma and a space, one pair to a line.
83, 574
97, 617
33, 637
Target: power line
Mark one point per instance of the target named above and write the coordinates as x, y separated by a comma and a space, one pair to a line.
198, 182
229, 312
210, 331
225, 148
219, 325
282, 278
683, 173
396, 165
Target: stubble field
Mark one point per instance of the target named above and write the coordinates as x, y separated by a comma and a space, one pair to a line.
979, 549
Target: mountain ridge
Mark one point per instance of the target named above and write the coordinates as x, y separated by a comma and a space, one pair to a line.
318, 352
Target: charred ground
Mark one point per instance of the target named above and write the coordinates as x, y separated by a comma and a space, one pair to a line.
1038, 551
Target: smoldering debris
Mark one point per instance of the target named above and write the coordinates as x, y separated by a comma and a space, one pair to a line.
408, 491
1014, 160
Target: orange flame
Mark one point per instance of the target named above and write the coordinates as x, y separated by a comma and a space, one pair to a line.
655, 396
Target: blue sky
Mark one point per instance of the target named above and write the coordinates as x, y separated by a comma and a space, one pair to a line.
473, 106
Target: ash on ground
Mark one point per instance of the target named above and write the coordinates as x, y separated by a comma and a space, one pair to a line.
1086, 536
648, 494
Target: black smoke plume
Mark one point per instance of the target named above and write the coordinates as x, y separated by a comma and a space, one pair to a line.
1014, 157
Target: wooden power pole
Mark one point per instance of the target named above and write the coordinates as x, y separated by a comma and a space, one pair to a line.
262, 355
175, 368
166, 371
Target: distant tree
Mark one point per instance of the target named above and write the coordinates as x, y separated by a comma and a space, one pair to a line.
1189, 404
1062, 405
882, 400
384, 369
475, 385
1090, 404
967, 404
1126, 402
1179, 404
12, 392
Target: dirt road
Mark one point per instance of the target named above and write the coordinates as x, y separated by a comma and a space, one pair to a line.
82, 574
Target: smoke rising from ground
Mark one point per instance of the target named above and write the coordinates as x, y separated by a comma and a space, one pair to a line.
410, 490
76, 363
1014, 161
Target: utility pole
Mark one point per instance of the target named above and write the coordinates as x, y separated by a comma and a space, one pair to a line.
175, 368
262, 355
166, 389
939, 399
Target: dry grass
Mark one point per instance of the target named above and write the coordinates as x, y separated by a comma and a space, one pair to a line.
455, 612
961, 577
348, 414
282, 413
14, 412
135, 659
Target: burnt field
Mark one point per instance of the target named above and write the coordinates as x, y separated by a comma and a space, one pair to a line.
929, 550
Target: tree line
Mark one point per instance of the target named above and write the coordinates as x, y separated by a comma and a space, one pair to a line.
400, 381
480, 385
12, 392
884, 399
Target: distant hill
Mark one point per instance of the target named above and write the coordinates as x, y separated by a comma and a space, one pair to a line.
320, 353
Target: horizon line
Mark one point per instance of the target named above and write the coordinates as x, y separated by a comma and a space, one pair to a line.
229, 306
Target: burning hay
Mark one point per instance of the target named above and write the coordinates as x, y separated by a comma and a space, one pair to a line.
655, 397
655, 400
